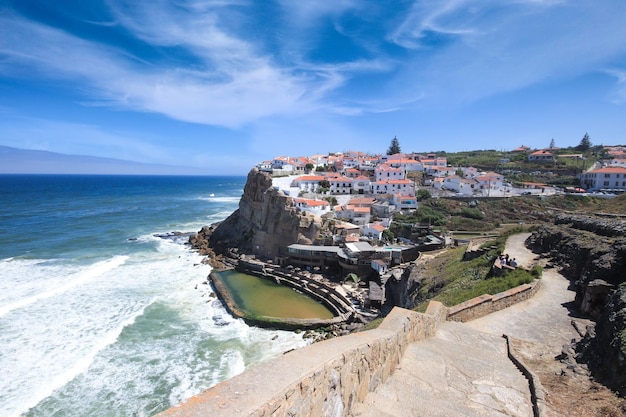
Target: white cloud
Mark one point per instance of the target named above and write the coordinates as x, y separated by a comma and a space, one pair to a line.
618, 96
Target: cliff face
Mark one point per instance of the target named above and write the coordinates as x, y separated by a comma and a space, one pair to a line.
265, 222
592, 253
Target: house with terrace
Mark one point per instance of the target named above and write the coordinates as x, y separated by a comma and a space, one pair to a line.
405, 202
308, 183
354, 214
318, 207
373, 230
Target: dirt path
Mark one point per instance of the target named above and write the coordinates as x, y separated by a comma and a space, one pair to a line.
540, 327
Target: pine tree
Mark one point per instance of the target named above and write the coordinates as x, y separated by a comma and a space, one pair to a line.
585, 143
394, 148
552, 144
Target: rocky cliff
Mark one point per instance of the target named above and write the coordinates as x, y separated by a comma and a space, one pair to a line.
264, 224
591, 252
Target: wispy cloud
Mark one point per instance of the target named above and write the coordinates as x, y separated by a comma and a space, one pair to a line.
213, 63
618, 95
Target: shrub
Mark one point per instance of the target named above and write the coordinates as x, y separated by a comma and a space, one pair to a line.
472, 213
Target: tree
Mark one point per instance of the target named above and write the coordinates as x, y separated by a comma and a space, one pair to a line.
423, 194
552, 144
309, 167
585, 143
394, 148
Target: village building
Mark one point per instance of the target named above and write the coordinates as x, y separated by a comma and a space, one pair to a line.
405, 202
318, 207
373, 230
542, 157
385, 172
354, 214
308, 183
609, 178
402, 187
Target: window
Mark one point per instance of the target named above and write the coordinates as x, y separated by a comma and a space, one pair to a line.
606, 183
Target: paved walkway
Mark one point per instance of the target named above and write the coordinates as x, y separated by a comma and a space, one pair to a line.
464, 370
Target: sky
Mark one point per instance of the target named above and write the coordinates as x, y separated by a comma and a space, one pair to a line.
220, 85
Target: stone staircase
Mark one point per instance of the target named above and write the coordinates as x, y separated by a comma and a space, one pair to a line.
459, 372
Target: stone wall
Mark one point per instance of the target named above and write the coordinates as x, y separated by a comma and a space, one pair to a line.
486, 303
322, 379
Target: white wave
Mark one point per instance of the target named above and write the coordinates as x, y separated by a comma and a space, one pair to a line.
72, 281
82, 364
215, 199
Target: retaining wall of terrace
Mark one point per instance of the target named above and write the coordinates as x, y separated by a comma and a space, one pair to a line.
486, 304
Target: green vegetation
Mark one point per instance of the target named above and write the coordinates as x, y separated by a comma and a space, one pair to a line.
453, 281
394, 147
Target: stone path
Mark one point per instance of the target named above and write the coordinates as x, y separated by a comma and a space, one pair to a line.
460, 372
464, 370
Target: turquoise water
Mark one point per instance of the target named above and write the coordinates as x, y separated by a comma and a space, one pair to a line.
98, 316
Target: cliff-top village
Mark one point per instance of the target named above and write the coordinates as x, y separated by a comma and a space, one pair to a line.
357, 196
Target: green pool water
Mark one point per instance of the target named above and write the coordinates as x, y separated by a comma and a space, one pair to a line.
262, 297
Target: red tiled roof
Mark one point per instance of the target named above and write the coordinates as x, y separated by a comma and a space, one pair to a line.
610, 170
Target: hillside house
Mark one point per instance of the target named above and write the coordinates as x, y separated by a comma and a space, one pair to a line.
308, 183
604, 178
354, 214
405, 202
385, 172
373, 230
402, 187
362, 185
541, 157
318, 207
340, 185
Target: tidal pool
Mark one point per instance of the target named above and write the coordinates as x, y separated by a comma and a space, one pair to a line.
263, 297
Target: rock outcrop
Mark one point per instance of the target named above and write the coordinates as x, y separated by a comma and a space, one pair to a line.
591, 252
603, 349
265, 223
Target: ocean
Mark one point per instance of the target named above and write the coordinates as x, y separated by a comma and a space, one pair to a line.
100, 317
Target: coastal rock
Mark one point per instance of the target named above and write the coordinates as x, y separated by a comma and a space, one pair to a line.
264, 224
604, 350
591, 252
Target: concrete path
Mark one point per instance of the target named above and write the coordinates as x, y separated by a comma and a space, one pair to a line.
460, 372
465, 371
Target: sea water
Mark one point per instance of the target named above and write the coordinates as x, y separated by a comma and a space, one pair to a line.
102, 315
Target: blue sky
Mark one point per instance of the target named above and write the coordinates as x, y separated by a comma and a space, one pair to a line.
223, 84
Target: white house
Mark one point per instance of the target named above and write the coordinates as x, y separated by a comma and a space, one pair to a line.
318, 207
604, 178
379, 266
460, 185
406, 164
439, 171
309, 183
373, 230
340, 185
402, 187
355, 215
490, 182
385, 172
362, 185
405, 202
542, 156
